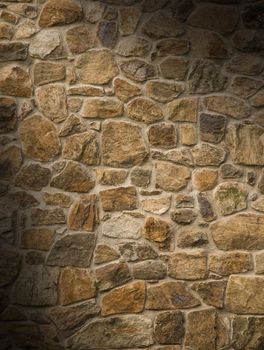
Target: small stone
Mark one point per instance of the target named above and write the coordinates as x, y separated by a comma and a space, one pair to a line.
171, 177
72, 125
93, 11
258, 205
47, 72
132, 252
159, 205
189, 238
86, 90
110, 14
180, 155
13, 51
174, 68
143, 110
127, 299
162, 136
229, 171
245, 87
248, 64
15, 81
169, 327
188, 266
183, 110
47, 216
157, 231
212, 127
102, 108
205, 179
125, 90
163, 91
188, 135
26, 29
206, 208
207, 44
107, 33
183, 216
172, 47
10, 162
80, 39
230, 263
212, 292
184, 201
8, 113
205, 154
25, 108
45, 43
162, 25
9, 17
72, 250
104, 254
128, 19
138, 70
111, 177
259, 262
149, 270
33, 177
83, 214
6, 31
37, 238
112, 275
133, 46
140, 177
56, 199
122, 226
59, 12
10, 265
118, 199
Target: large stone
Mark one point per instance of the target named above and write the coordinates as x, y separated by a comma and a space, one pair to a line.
162, 135
128, 331
126, 299
39, 138
162, 25
243, 231
205, 179
230, 263
59, 12
108, 33
205, 154
111, 177
174, 68
143, 110
102, 108
124, 90
188, 266
80, 39
211, 292
33, 177
10, 162
10, 265
96, 67
170, 177
183, 110
135, 46
156, 205
122, 145
118, 199
191, 238
26, 29
13, 51
15, 81
47, 216
162, 91
245, 295
132, 252
72, 250
128, 19
47, 72
138, 70
245, 87
112, 275
169, 327
105, 253
172, 47
45, 44
157, 231
122, 226
149, 270
247, 332
37, 238
212, 127
8, 114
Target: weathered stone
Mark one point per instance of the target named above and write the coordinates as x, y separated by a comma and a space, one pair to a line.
149, 270
206, 208
80, 39
189, 238
110, 177
9, 17
205, 154
138, 70
230, 263
6, 31
259, 262
36, 286
104, 254
157, 231
47, 72
83, 214
126, 299
102, 108
258, 99
33, 177
39, 138
133, 46
243, 231
212, 292
122, 226
47, 216
174, 68
10, 265
258, 205
8, 114
125, 90
247, 332
183, 216
244, 295
37, 238
118, 199
75, 285
153, 5
172, 46
159, 205
171, 177
15, 81
96, 67
113, 332
245, 87
140, 177
162, 135
72, 125
248, 64
74, 177
34, 258
180, 155
10, 162
205, 179
59, 12
170, 295
72, 250
162, 91
229, 171
122, 145
44, 44
93, 11
57, 199
188, 266
132, 252
107, 33
188, 134
252, 16
86, 90
162, 25
183, 110
22, 199
144, 110
112, 275
212, 127
26, 29
184, 200
13, 51
128, 19
207, 44
169, 327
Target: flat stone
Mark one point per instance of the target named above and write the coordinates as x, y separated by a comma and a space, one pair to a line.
44, 44
26, 29
10, 162
169, 327
183, 110
102, 108
132, 251
122, 145
138, 70
111, 177
128, 19
149, 270
47, 72
212, 127
248, 64
72, 125
156, 205
112, 275
230, 263
162, 25
180, 155
57, 199
47, 216
33, 177
247, 332
172, 47
243, 231
126, 299
205, 154
96, 67
162, 136
6, 31
122, 226
191, 238
83, 214
124, 90
211, 292
188, 266
140, 177
104, 254
15, 81
170, 177
93, 11
183, 216
86, 90
37, 238
13, 51
39, 138
174, 68
72, 250
157, 231
107, 33
207, 44
205, 179
229, 171
245, 87
170, 295
133, 46
144, 110
206, 208
8, 112
258, 205
10, 266
163, 91
118, 199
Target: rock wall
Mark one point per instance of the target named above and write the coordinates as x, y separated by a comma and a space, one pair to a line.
132, 181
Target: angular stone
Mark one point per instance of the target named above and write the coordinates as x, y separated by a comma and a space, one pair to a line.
157, 231
159, 205
107, 33
6, 31
86, 90
230, 197
172, 47
229, 171
22, 199
183, 110
125, 90
206, 208
13, 51
245, 87
248, 64
162, 135
144, 110
59, 12
189, 238
10, 162
128, 19
47, 216
80, 39
212, 127
171, 177
26, 29
180, 155
205, 154
47, 72
122, 226
138, 70
33, 177
74, 177
93, 11
243, 231
122, 145
169, 327
8, 114
133, 46
258, 205
149, 270
230, 263
39, 138
188, 266
258, 99
162, 25
15, 81
36, 286
83, 214
174, 68
10, 265
57, 199
72, 250
205, 179
37, 238
113, 332
207, 44
96, 67
244, 295
247, 332
102, 108
111, 177
132, 252
104, 254
75, 285
183, 216
162, 91
170, 295
112, 275
140, 177
252, 16
45, 44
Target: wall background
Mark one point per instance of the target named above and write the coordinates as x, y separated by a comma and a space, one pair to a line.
132, 183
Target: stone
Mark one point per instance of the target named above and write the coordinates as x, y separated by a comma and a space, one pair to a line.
170, 295
34, 258
36, 286
230, 106
258, 99
162, 135
184, 200
180, 155
157, 231
126, 299
111, 177
33, 177
149, 270
259, 262
205, 154
24, 10
96, 67
37, 238
206, 44
189, 238
133, 46
59, 12
74, 177
71, 318
188, 136
204, 179
205, 77
86, 90
162, 25
156, 205
230, 263
57, 199
47, 216
72, 125
13, 51
229, 171
15, 81
183, 110
174, 68
258, 205
245, 87
244, 295
261, 183
22, 199
112, 275
201, 322
39, 138
140, 177
8, 113
75, 285
26, 29
230, 197
132, 252
72, 250
112, 332
93, 11
10, 266
206, 208
22, 335
162, 91
143, 110
172, 47
218, 18
102, 108
6, 31
51, 100
104, 254
122, 145
138, 70
107, 33
169, 327
47, 72
83, 214
118, 199
247, 332
248, 64
128, 19
45, 43
10, 162
122, 226
242, 231
188, 266
183, 216
212, 127
211, 292
252, 16
170, 177
153, 5
124, 90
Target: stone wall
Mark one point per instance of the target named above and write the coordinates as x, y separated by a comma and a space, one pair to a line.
132, 181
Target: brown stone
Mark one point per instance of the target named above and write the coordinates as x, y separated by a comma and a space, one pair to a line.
183, 110
33, 177
80, 39
135, 46
230, 263
83, 214
47, 216
47, 72
258, 99
104, 254
162, 25
112, 275
188, 266
171, 177
107, 33
128, 19
258, 205
162, 91
143, 110
207, 44
47, 44
13, 51
149, 270
10, 162
124, 90
169, 327
72, 125
248, 64
118, 199
140, 177
188, 136
15, 81
156, 205
86, 90
132, 252
127, 299
162, 135
9, 267
247, 332
8, 113
57, 199
102, 108
22, 199
37, 238
211, 292
183, 216
93, 11
245, 87
172, 47
181, 155
212, 127
6, 31
157, 231
205, 179
189, 238
174, 68
206, 208
205, 154
112, 177
26, 29
138, 70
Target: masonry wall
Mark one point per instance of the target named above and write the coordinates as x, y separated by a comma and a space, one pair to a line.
132, 182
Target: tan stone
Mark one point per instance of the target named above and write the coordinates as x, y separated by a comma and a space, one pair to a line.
80, 39
174, 68
93, 11
247, 332
104, 253
245, 87
135, 46
138, 70
47, 216
230, 263
172, 46
72, 125
122, 226
212, 292
258, 99
127, 299
128, 19
10, 162
47, 43
110, 177
157, 231
37, 238
188, 134
259, 262
205, 154
75, 285
162, 25
171, 177
6, 31
183, 110
118, 199
102, 108
33, 177
112, 275
205, 179
188, 266
143, 110
124, 90
15, 81
184, 216
57, 199
159, 205
162, 135
162, 91
207, 44
258, 205
47, 72
190, 238
26, 29
86, 90
180, 155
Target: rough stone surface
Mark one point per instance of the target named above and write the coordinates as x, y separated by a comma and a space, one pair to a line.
187, 266
162, 136
183, 110
33, 177
144, 110
10, 264
138, 70
122, 226
83, 214
230, 263
118, 199
112, 275
171, 177
15, 81
102, 108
